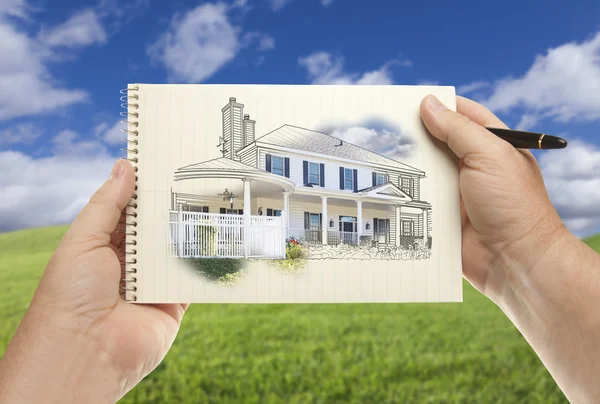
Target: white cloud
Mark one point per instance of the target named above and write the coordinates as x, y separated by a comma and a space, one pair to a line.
267, 42
81, 29
527, 122
19, 134
563, 84
111, 134
15, 8
65, 144
572, 177
385, 141
324, 68
47, 191
26, 85
197, 43
327, 2
472, 87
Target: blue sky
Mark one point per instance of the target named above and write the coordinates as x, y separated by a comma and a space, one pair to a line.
536, 64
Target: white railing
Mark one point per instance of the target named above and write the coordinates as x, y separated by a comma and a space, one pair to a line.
315, 236
342, 237
212, 235
307, 236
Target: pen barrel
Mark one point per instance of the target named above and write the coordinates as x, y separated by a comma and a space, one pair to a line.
519, 139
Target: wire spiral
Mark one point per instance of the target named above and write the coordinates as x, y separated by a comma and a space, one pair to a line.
127, 226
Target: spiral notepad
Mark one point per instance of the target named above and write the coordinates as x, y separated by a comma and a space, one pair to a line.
289, 194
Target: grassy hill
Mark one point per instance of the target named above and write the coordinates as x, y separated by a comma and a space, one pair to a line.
464, 353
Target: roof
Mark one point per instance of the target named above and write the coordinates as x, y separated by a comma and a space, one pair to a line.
224, 167
221, 163
312, 141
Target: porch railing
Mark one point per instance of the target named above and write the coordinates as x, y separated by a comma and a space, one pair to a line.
315, 236
212, 235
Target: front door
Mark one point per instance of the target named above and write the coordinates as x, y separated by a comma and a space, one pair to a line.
348, 229
383, 230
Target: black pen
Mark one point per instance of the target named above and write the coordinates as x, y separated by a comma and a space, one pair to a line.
529, 140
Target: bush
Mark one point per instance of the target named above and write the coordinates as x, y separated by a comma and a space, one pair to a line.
294, 251
217, 269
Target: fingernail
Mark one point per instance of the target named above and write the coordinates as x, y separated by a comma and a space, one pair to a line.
117, 171
435, 105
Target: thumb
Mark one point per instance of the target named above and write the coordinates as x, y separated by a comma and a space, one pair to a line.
462, 135
101, 215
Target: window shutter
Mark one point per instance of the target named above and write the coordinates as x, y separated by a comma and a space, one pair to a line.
355, 180
269, 212
305, 171
374, 178
320, 221
375, 223
205, 209
268, 162
222, 210
287, 167
322, 172
341, 177
387, 231
306, 220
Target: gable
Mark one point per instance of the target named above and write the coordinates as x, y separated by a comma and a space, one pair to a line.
387, 191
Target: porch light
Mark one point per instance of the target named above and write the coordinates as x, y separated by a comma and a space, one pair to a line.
330, 222
368, 226
232, 200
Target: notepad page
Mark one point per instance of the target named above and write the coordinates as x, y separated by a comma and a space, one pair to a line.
294, 194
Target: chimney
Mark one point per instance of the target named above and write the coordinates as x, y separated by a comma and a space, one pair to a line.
233, 128
248, 125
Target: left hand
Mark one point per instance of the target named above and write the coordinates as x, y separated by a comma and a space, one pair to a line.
79, 340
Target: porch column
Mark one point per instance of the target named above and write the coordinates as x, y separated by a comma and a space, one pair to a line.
247, 212
398, 224
286, 213
425, 229
180, 230
324, 219
359, 221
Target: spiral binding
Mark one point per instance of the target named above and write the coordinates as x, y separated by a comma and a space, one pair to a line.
127, 287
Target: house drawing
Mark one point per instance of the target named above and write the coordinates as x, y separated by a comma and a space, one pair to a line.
297, 183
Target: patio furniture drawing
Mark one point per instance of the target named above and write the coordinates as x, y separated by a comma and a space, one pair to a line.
336, 199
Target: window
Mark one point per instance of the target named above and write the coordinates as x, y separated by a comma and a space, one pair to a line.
195, 208
273, 212
277, 165
406, 185
231, 211
407, 227
313, 174
348, 179
380, 178
314, 221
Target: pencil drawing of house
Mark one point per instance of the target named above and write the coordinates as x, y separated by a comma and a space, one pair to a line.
336, 198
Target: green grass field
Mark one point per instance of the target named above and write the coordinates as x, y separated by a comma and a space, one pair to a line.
367, 353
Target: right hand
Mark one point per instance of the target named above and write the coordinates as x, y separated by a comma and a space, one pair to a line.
508, 221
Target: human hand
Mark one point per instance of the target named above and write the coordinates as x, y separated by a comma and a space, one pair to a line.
79, 341
508, 221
